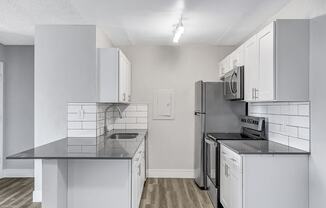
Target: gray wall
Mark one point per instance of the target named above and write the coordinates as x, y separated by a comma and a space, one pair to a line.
2, 52
65, 71
318, 112
171, 142
18, 103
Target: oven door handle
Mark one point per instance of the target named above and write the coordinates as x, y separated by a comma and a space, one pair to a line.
210, 142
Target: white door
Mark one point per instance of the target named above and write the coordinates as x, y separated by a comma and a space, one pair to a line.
251, 68
266, 63
1, 119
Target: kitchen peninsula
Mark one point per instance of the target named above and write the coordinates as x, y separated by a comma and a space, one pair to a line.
88, 172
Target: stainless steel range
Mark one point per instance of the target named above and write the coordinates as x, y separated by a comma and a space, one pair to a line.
252, 128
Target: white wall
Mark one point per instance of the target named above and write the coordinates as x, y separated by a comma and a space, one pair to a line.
18, 104
302, 9
171, 142
65, 71
318, 113
102, 39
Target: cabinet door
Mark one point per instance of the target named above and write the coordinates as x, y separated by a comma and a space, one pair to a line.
235, 188
128, 80
236, 58
266, 47
122, 77
251, 68
224, 182
135, 183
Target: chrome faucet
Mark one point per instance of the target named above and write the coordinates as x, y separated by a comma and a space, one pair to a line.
116, 106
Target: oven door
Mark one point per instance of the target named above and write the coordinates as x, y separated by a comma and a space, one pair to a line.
212, 161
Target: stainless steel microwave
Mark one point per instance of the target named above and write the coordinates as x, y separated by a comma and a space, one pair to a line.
234, 84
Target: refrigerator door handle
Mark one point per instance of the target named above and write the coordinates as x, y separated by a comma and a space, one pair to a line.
199, 113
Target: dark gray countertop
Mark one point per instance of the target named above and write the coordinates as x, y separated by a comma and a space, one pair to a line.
87, 147
259, 147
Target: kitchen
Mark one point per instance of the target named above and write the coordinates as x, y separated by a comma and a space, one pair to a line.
111, 101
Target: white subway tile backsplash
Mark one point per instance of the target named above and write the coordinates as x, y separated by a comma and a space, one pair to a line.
75, 125
136, 126
287, 122
81, 133
274, 109
304, 133
87, 119
89, 125
304, 110
299, 121
258, 109
81, 117
291, 131
131, 108
142, 107
142, 120
276, 128
74, 108
90, 108
136, 114
278, 138
299, 143
119, 126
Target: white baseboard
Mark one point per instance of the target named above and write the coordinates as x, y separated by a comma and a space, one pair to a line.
171, 173
18, 173
37, 196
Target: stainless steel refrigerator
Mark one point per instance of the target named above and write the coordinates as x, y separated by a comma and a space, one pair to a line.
213, 114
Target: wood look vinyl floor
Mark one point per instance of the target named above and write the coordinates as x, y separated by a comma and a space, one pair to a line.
173, 193
158, 193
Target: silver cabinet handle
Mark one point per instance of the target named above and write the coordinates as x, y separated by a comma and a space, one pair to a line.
226, 171
256, 93
124, 96
253, 93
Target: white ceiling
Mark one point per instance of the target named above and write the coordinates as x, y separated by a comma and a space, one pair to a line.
149, 22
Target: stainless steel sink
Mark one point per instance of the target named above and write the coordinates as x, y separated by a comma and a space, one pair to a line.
123, 136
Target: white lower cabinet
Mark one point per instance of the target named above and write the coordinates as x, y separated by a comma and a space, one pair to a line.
231, 179
138, 175
268, 181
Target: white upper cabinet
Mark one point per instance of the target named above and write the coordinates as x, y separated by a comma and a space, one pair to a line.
224, 66
276, 62
237, 57
114, 76
266, 78
251, 68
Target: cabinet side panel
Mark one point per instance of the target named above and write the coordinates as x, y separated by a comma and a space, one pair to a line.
99, 183
292, 60
108, 73
271, 181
